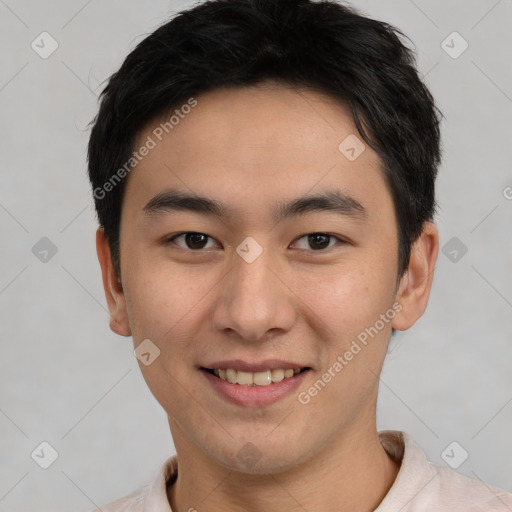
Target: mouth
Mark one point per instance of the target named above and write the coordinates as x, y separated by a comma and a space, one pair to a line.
254, 379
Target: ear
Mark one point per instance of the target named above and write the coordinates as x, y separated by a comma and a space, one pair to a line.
112, 286
416, 283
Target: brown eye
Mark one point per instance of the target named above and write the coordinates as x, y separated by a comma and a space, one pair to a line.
318, 241
193, 241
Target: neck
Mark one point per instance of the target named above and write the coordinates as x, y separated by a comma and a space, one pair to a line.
353, 475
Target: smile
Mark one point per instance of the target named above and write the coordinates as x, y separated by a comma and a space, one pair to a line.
262, 378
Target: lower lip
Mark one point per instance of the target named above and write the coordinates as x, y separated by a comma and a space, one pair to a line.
255, 396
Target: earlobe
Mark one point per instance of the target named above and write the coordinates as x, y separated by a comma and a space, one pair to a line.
414, 289
112, 286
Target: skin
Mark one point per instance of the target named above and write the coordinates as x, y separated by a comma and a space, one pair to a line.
250, 148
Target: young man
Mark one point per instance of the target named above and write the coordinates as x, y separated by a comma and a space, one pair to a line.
263, 173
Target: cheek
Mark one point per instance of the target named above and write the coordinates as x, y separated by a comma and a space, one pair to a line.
163, 300
349, 298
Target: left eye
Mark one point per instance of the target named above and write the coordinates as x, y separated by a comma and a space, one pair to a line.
197, 241
320, 240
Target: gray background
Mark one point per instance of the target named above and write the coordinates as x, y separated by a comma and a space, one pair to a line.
66, 379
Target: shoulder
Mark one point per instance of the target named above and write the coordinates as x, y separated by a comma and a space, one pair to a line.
134, 502
456, 490
150, 498
424, 486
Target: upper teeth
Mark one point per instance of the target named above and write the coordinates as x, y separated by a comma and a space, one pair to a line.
264, 378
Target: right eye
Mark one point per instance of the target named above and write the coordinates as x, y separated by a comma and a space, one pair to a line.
193, 241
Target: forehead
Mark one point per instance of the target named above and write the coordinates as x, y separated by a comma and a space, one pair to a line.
247, 146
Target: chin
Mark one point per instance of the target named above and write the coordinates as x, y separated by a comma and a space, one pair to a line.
252, 460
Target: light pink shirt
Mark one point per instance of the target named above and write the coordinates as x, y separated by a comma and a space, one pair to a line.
420, 486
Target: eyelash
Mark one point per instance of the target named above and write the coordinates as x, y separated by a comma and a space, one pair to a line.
171, 239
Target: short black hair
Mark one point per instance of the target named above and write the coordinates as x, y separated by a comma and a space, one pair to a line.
318, 45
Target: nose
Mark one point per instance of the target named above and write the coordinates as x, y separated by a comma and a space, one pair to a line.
255, 299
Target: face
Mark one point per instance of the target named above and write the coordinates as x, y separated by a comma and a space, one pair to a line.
258, 283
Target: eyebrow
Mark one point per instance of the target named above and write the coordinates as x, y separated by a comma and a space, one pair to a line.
330, 201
